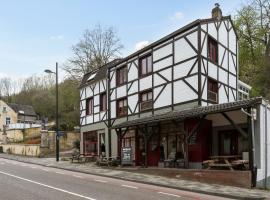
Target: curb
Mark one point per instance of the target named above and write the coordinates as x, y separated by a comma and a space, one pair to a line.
143, 182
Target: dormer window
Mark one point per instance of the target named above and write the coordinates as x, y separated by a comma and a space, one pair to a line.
212, 50
146, 66
91, 77
212, 94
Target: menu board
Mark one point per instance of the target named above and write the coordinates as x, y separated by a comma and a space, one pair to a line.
126, 158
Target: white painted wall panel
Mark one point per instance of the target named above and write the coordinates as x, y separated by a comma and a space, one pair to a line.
96, 100
182, 69
103, 116
83, 113
89, 92
232, 41
96, 109
113, 109
167, 73
162, 52
212, 70
231, 64
121, 91
132, 102
221, 51
223, 76
113, 95
113, 80
212, 30
225, 61
83, 104
204, 90
89, 119
193, 81
102, 85
232, 81
222, 95
158, 80
133, 72
82, 93
182, 92
146, 83
165, 97
162, 64
183, 50
204, 45
223, 34
96, 90
133, 88
231, 98
96, 118
193, 38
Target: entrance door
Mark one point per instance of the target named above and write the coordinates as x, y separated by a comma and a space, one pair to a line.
153, 156
228, 142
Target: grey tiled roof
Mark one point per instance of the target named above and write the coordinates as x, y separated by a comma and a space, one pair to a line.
192, 112
100, 73
28, 110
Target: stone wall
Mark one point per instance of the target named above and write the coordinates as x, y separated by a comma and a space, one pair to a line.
22, 149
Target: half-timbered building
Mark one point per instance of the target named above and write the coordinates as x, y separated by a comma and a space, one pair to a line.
176, 100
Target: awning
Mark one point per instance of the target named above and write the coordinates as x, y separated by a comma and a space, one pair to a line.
191, 112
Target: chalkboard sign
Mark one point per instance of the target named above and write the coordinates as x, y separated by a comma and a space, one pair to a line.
126, 158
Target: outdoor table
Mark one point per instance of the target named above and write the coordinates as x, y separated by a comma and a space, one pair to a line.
225, 159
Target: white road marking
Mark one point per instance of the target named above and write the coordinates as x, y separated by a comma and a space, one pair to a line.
48, 186
169, 194
60, 173
101, 181
129, 186
77, 176
46, 170
33, 167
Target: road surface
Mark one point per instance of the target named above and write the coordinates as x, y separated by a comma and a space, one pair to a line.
34, 182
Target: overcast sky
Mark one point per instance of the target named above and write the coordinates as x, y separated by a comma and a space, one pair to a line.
35, 34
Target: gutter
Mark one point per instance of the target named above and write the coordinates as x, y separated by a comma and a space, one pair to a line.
254, 167
265, 129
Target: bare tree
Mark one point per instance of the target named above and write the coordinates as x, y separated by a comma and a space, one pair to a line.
96, 48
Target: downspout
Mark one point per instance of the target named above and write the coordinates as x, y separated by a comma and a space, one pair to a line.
265, 129
252, 144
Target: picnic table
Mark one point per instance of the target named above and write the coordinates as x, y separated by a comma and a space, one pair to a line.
223, 161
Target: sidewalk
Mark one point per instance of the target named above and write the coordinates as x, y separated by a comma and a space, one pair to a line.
91, 168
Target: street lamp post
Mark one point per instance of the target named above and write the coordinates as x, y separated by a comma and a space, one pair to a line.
56, 109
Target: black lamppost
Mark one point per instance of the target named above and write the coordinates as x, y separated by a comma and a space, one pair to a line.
56, 110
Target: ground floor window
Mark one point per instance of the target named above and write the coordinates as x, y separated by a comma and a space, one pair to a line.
90, 143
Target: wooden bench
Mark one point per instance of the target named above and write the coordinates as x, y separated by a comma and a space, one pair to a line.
78, 157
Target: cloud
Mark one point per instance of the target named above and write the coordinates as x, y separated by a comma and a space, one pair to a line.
57, 37
140, 45
176, 16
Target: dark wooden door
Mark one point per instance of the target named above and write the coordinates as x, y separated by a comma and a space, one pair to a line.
228, 142
153, 155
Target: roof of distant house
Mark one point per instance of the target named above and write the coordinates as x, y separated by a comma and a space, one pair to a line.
28, 110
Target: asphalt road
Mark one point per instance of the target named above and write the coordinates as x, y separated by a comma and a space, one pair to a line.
33, 182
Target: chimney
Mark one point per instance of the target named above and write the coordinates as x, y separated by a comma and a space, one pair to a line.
216, 12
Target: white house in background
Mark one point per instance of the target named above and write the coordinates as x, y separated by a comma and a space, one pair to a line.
177, 96
243, 90
14, 115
